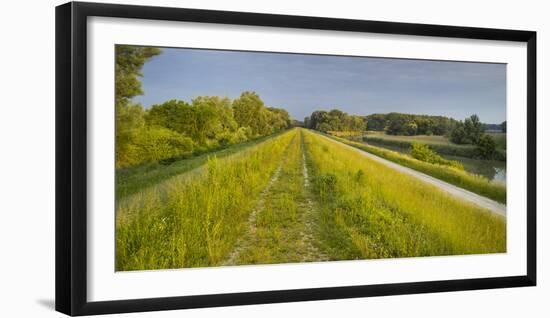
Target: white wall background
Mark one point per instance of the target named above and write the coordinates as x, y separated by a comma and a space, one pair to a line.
27, 158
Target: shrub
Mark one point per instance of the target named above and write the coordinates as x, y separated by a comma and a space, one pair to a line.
424, 153
158, 143
486, 147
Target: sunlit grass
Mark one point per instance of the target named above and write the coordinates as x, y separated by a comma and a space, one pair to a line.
475, 183
195, 220
282, 231
137, 178
361, 209
372, 211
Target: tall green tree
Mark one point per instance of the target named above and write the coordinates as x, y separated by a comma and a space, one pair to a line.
129, 118
128, 63
249, 111
473, 128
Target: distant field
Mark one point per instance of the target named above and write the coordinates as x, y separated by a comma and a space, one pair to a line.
435, 140
438, 143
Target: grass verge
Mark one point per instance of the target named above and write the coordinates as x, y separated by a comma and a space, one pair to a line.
475, 183
369, 210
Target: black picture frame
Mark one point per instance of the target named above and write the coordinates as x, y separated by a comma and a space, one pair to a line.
71, 157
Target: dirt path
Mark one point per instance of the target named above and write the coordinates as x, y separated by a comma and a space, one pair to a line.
466, 195
251, 223
311, 252
281, 229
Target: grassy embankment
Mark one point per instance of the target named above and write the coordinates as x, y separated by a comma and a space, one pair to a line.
283, 229
369, 210
463, 179
134, 179
438, 143
194, 221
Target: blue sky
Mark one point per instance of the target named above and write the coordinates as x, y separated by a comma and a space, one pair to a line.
304, 83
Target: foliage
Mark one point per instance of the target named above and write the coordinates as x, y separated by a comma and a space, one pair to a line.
467, 132
128, 64
129, 118
486, 147
129, 121
334, 120
409, 124
503, 126
208, 122
424, 153
175, 128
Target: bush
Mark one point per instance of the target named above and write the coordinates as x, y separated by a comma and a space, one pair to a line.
424, 153
156, 143
486, 147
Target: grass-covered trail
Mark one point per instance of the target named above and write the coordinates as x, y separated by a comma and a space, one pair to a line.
281, 229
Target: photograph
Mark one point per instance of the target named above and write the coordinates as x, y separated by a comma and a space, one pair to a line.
230, 158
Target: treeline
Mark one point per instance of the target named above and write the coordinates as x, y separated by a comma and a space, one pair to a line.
334, 120
410, 124
472, 132
176, 129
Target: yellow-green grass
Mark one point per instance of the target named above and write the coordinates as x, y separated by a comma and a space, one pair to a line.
345, 133
282, 230
195, 220
369, 210
137, 178
472, 182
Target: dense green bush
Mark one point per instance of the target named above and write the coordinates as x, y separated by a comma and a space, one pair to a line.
153, 144
486, 147
424, 153
468, 131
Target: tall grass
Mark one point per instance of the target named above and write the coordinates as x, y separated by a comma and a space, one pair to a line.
475, 183
369, 210
280, 231
137, 178
195, 220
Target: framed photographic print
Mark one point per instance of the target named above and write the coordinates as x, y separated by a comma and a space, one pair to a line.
210, 158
